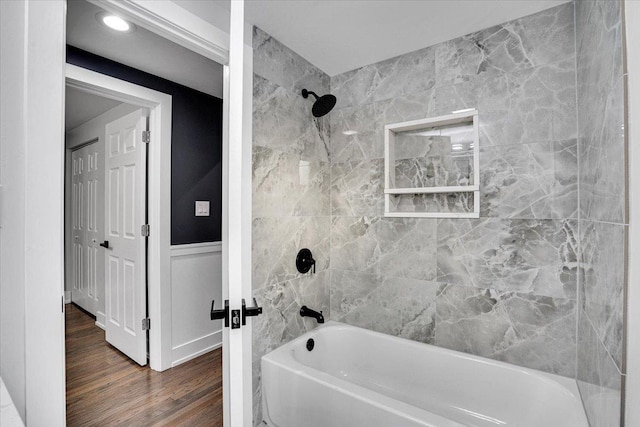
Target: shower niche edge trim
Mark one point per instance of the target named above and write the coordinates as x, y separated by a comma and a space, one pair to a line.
466, 117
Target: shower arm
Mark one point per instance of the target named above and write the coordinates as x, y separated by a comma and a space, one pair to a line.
306, 93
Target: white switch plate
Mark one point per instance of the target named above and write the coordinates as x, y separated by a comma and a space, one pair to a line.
202, 208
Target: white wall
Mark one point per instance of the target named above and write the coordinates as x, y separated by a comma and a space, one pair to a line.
12, 156
31, 250
76, 137
196, 279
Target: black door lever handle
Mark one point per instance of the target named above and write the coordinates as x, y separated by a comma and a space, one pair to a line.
105, 244
250, 311
221, 314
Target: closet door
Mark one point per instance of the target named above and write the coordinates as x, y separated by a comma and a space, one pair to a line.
87, 221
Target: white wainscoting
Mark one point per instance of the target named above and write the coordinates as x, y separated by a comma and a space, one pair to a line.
196, 279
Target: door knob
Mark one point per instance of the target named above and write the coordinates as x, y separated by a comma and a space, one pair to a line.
105, 244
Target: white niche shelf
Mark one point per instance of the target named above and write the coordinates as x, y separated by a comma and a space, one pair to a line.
432, 167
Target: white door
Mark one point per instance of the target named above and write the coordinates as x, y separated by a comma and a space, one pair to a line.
125, 259
236, 225
87, 222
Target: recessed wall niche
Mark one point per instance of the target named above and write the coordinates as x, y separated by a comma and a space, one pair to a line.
432, 167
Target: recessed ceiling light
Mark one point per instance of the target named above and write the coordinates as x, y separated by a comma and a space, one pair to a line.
349, 132
115, 22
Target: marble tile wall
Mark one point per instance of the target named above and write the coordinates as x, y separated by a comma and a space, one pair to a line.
291, 198
504, 285
549, 245
602, 211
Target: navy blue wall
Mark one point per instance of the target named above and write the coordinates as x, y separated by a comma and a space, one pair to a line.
196, 148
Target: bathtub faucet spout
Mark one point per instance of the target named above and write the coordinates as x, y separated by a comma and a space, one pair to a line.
307, 312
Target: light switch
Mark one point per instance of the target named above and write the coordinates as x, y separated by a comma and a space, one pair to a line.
202, 208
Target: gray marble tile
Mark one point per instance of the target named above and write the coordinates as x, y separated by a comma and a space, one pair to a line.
602, 158
281, 65
602, 281
537, 180
349, 290
530, 105
399, 306
404, 74
543, 38
536, 257
282, 120
276, 242
366, 143
398, 247
599, 381
599, 56
286, 185
281, 322
526, 330
431, 161
368, 120
357, 188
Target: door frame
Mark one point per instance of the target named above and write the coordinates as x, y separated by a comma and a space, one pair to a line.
39, 132
170, 21
159, 200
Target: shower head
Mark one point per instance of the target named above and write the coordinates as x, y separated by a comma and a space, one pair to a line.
323, 104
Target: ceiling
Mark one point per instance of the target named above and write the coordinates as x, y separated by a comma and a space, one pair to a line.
334, 35
81, 106
341, 35
142, 49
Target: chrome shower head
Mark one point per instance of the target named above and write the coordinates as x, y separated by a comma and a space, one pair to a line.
323, 104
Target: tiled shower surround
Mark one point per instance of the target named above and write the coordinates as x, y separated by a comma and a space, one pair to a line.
603, 219
291, 181
503, 286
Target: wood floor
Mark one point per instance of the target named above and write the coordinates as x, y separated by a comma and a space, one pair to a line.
105, 388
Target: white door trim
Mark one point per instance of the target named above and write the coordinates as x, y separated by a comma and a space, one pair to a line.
159, 181
42, 119
236, 222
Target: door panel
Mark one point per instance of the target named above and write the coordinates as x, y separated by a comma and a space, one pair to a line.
86, 211
126, 211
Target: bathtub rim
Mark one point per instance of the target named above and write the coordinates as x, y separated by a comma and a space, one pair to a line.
279, 356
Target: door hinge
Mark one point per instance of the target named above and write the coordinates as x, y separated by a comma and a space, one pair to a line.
146, 136
146, 230
146, 324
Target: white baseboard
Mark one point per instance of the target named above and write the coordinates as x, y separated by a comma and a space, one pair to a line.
192, 349
67, 297
100, 320
195, 248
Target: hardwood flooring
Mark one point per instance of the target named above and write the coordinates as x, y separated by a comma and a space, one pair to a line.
105, 388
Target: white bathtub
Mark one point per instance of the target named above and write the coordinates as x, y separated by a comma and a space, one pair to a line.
355, 377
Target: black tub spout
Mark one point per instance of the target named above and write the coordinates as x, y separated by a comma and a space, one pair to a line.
307, 312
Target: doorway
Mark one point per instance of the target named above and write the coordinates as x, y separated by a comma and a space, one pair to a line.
38, 111
106, 208
180, 307
129, 98
100, 378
